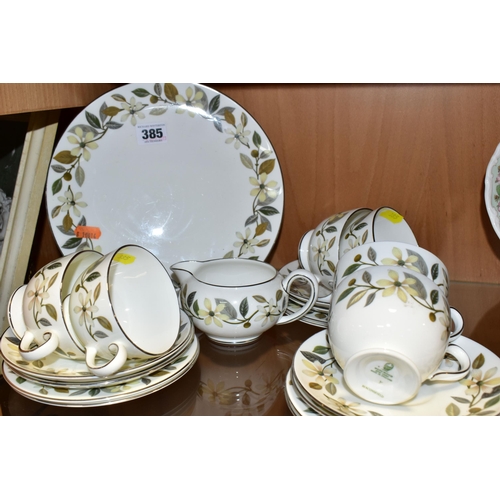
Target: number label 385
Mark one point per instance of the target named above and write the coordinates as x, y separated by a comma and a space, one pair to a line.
147, 134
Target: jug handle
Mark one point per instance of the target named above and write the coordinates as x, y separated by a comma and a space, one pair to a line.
287, 283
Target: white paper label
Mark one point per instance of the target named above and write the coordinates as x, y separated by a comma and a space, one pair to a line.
151, 133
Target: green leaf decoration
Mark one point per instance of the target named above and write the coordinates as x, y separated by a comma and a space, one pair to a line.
119, 98
69, 232
55, 265
229, 117
140, 92
58, 168
260, 299
56, 187
170, 91
158, 110
492, 402
61, 390
112, 111
260, 229
434, 297
419, 263
115, 125
72, 243
332, 241
92, 119
418, 286
45, 322
267, 167
478, 362
244, 119
279, 295
157, 89
67, 222
229, 255
244, 307
65, 157
372, 254
246, 160
321, 349
435, 271
331, 266
331, 229
356, 298
370, 298
256, 139
331, 388
100, 335
269, 211
97, 291
214, 104
262, 243
20, 380
452, 410
51, 311
104, 322
94, 392
315, 386
345, 293
38, 363
312, 357
92, 276
460, 400
228, 308
196, 308
52, 280
366, 277
351, 269
190, 298
364, 237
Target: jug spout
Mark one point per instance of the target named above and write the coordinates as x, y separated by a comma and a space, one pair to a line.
185, 270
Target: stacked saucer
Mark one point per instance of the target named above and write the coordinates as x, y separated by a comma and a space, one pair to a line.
62, 381
315, 386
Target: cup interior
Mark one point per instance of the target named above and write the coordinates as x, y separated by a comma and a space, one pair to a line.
390, 225
235, 272
143, 299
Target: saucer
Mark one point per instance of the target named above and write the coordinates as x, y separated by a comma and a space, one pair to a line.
317, 376
492, 190
295, 402
59, 370
100, 396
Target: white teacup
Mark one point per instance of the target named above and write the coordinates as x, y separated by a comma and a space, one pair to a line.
123, 306
319, 247
394, 253
382, 224
35, 310
389, 330
234, 301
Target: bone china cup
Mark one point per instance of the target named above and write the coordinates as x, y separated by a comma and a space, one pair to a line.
123, 306
35, 309
319, 248
389, 330
394, 253
382, 224
234, 301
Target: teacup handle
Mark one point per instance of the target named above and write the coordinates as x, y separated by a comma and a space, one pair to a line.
458, 321
286, 284
43, 350
454, 375
111, 366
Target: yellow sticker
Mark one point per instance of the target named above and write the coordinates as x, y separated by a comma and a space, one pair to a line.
392, 216
124, 258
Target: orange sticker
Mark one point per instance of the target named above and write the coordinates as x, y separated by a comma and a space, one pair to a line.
124, 258
392, 216
92, 233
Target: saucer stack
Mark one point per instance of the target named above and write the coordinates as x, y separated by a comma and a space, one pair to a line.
315, 386
61, 381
